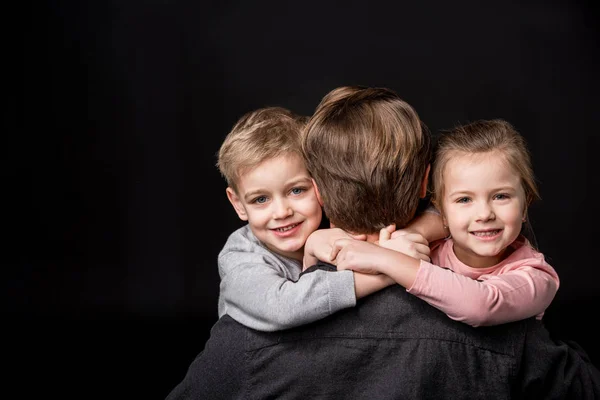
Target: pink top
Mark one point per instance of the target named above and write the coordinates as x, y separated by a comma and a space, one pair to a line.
519, 287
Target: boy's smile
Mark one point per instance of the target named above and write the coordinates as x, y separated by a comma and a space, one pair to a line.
278, 200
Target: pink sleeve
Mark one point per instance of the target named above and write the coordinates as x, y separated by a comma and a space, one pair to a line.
518, 293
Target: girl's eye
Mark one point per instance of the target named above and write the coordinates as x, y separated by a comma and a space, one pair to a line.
502, 196
297, 190
463, 200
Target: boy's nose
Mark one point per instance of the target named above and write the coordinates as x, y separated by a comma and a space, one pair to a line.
282, 209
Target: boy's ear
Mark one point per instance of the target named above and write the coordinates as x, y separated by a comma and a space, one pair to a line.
424, 183
317, 192
237, 204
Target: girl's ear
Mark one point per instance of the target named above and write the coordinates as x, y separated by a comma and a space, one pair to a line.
317, 192
424, 182
446, 228
237, 204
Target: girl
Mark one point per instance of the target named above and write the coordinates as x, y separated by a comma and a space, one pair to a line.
485, 272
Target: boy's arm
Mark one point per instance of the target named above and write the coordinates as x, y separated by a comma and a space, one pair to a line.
319, 244
257, 291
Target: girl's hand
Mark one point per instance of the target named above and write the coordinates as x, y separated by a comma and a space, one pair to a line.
405, 241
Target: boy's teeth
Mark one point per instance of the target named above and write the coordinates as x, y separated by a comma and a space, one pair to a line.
287, 228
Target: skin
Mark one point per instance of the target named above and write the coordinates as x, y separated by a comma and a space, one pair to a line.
278, 200
483, 206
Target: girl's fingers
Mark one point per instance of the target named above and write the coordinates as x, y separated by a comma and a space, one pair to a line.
386, 233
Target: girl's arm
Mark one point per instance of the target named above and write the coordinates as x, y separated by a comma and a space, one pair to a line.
320, 244
519, 293
365, 284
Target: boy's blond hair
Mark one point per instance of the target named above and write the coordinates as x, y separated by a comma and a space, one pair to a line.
368, 153
257, 136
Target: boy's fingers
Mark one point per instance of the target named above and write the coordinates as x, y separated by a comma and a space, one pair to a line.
337, 246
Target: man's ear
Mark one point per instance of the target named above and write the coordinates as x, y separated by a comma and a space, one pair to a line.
237, 204
424, 183
317, 192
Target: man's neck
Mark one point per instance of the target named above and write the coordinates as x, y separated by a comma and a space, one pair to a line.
372, 237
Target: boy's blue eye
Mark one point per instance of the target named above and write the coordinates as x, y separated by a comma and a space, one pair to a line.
260, 200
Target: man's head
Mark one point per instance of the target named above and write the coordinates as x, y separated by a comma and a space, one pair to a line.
369, 155
269, 185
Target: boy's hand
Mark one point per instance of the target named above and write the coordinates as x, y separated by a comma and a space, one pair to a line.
405, 241
356, 255
319, 245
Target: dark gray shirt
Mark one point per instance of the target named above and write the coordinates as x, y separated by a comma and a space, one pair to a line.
392, 345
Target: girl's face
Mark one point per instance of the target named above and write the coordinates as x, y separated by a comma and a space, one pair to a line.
278, 200
484, 206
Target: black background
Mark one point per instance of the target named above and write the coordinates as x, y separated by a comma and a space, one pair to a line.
114, 211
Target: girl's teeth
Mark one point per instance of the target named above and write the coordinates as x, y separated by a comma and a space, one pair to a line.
489, 233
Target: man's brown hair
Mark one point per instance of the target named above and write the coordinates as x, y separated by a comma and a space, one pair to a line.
368, 152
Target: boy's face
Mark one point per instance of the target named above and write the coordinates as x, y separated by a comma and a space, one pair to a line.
278, 200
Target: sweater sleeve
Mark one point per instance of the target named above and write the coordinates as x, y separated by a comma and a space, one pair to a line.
520, 293
256, 294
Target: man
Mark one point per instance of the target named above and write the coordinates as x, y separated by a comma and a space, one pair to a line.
369, 154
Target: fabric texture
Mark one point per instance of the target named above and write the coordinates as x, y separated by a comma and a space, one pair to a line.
521, 286
264, 291
392, 345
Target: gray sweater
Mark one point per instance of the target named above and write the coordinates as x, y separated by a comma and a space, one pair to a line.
264, 290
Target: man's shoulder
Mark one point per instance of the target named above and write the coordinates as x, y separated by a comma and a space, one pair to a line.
390, 341
394, 315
